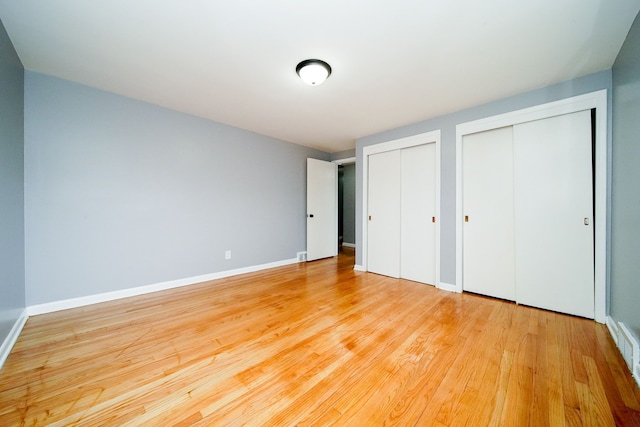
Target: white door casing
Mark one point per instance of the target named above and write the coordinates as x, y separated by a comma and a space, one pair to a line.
322, 209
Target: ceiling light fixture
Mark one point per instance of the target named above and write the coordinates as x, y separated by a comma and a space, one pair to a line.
313, 71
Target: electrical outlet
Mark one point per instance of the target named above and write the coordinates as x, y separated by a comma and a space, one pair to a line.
227, 255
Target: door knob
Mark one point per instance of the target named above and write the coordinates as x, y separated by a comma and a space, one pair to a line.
309, 215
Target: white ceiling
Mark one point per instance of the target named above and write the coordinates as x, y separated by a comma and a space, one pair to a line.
394, 62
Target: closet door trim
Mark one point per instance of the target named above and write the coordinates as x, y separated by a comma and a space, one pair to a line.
397, 144
597, 100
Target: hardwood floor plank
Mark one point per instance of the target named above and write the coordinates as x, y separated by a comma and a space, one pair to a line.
491, 379
555, 366
569, 390
506, 365
598, 395
314, 344
539, 409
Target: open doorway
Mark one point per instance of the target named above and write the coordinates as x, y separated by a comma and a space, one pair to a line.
346, 204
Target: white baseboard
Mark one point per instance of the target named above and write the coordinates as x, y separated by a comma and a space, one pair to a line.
613, 329
125, 293
349, 245
628, 346
448, 287
358, 268
14, 333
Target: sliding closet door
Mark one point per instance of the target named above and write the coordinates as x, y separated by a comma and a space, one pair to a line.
383, 246
488, 227
418, 211
554, 214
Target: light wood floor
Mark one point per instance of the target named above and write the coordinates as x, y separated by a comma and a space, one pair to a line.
315, 344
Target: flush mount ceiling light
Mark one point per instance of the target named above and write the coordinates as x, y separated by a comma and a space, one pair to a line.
313, 71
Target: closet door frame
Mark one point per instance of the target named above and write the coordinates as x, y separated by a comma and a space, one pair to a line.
397, 144
595, 100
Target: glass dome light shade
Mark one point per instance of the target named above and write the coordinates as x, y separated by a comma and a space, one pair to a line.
313, 71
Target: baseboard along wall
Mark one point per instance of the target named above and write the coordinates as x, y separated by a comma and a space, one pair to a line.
14, 333
627, 344
448, 287
34, 310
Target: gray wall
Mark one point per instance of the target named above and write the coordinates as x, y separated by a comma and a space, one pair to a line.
12, 287
121, 193
447, 124
343, 154
349, 203
625, 197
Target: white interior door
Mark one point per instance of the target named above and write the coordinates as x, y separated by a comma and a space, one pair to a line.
322, 209
418, 214
554, 214
488, 228
383, 209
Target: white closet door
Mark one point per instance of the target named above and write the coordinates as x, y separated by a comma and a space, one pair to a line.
488, 228
383, 246
553, 210
418, 207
